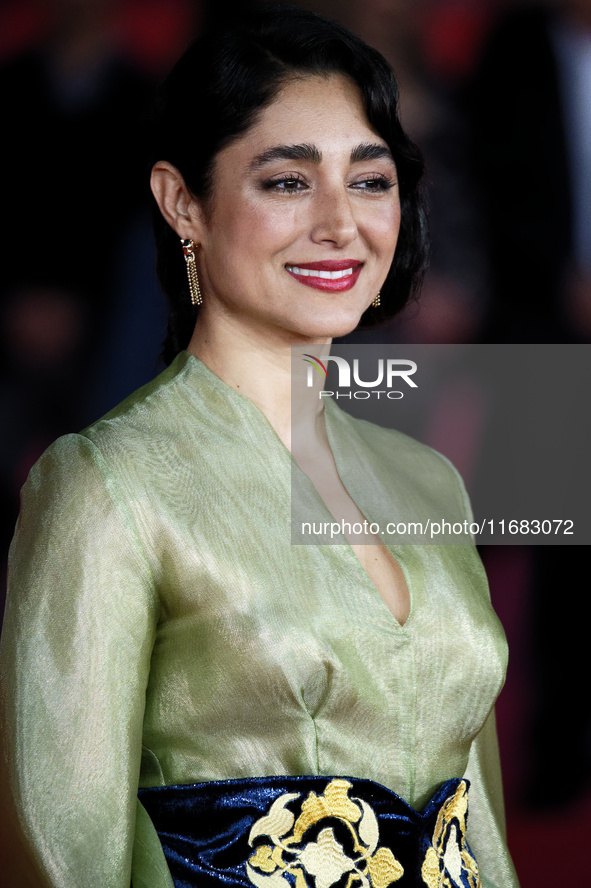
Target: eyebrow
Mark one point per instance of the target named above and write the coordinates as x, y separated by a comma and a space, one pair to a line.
363, 152
370, 151
287, 152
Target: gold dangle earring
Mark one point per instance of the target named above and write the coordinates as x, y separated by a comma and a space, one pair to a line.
189, 254
377, 300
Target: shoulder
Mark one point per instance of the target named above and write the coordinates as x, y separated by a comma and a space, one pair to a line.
114, 452
392, 445
74, 524
416, 471
72, 486
156, 407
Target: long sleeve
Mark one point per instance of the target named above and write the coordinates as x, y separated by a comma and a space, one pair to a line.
74, 663
486, 820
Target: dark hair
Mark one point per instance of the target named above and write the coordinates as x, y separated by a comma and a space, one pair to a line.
214, 94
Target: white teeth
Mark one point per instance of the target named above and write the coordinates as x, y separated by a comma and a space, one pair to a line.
312, 272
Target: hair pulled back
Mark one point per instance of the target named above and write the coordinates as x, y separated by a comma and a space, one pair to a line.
215, 93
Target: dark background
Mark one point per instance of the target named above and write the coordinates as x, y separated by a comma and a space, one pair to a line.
491, 94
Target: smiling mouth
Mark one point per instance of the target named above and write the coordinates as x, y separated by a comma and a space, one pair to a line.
327, 275
331, 275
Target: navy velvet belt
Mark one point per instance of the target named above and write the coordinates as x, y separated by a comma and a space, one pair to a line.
311, 832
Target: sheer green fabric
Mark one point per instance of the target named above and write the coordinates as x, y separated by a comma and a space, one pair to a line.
161, 629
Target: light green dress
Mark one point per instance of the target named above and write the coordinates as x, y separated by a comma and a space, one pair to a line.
161, 629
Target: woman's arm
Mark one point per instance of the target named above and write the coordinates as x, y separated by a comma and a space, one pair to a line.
486, 831
74, 663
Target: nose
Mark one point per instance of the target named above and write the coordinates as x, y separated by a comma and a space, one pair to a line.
333, 217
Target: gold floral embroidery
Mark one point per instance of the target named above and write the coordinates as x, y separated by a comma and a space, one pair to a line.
448, 862
322, 858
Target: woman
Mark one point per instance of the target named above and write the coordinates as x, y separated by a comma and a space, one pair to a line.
161, 629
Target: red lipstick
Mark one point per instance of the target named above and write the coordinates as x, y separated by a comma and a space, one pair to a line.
335, 275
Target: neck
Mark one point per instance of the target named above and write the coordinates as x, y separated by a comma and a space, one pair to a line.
261, 368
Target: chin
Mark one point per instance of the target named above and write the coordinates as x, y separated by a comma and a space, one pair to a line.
322, 332
341, 325
331, 324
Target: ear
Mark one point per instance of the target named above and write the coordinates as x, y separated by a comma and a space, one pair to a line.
177, 204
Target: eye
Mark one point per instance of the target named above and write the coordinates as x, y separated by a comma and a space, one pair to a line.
286, 184
374, 184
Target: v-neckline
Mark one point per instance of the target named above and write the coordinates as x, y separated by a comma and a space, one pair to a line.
367, 516
244, 402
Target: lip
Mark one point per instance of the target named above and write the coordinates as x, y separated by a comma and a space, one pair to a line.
328, 264
336, 285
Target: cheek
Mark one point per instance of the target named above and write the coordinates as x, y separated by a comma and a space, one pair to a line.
255, 228
386, 229
380, 224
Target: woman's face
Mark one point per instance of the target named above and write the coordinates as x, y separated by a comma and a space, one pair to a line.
301, 227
